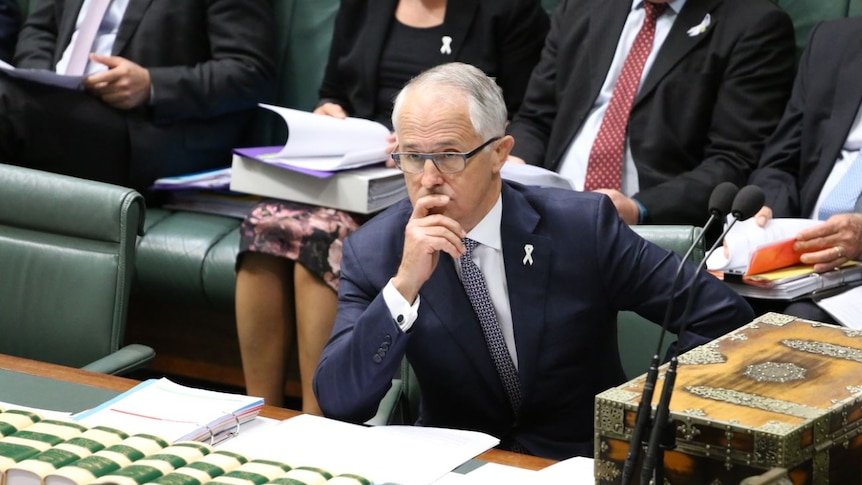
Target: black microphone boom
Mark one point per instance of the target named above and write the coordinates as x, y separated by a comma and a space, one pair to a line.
720, 204
747, 202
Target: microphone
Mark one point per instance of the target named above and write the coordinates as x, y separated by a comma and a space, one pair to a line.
720, 202
747, 202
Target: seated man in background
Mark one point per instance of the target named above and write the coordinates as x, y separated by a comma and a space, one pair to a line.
169, 86
656, 103
10, 22
811, 166
521, 352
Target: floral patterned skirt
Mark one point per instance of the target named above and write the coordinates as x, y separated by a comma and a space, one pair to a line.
310, 235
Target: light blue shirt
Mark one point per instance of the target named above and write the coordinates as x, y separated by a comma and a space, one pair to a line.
574, 163
848, 153
105, 37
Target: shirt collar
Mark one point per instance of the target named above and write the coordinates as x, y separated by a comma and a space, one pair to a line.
487, 231
675, 5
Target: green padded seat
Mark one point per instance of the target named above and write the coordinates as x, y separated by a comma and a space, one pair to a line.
67, 248
176, 257
638, 337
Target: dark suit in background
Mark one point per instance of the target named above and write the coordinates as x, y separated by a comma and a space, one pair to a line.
10, 22
209, 62
502, 37
826, 98
587, 265
802, 152
703, 110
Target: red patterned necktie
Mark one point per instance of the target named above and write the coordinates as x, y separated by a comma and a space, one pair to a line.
604, 169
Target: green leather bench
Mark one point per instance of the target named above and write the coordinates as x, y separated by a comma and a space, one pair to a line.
183, 296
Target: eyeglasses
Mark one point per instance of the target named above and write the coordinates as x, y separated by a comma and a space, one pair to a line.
446, 162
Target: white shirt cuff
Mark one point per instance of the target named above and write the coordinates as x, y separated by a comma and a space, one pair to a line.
403, 313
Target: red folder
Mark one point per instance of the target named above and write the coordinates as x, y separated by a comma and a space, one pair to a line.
773, 256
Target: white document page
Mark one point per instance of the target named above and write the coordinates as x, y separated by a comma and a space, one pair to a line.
326, 143
845, 307
42, 76
407, 455
746, 236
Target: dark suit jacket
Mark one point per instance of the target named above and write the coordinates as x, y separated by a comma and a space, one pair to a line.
210, 63
502, 37
10, 22
826, 96
587, 266
702, 114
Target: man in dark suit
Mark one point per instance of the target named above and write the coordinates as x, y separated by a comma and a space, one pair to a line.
169, 88
815, 147
558, 265
712, 89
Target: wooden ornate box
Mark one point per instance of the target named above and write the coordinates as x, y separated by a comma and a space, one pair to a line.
778, 392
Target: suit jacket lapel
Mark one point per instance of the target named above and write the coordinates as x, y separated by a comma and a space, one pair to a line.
844, 104
678, 42
444, 296
67, 25
459, 18
131, 19
605, 26
527, 281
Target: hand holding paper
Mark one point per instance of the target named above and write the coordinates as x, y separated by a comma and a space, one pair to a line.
747, 237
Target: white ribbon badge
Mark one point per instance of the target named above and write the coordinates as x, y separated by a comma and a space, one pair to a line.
528, 254
447, 45
699, 28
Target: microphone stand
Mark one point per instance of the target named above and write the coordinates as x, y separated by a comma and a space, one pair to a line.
644, 411
719, 205
662, 436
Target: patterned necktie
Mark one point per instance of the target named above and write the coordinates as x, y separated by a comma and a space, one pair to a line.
604, 168
86, 35
842, 198
477, 291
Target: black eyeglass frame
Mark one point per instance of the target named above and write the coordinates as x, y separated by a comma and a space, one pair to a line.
396, 156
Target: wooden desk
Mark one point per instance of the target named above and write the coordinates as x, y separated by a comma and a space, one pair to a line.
120, 384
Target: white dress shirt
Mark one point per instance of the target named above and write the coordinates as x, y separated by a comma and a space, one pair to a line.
574, 163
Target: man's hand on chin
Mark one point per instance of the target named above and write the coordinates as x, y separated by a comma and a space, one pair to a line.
427, 233
627, 208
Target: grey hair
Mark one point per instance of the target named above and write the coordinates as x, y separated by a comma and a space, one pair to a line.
486, 105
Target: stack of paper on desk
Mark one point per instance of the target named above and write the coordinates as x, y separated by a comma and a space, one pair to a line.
363, 190
404, 455
326, 161
751, 249
760, 262
174, 412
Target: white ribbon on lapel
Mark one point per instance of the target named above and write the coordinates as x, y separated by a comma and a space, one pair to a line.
699, 28
528, 254
446, 48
